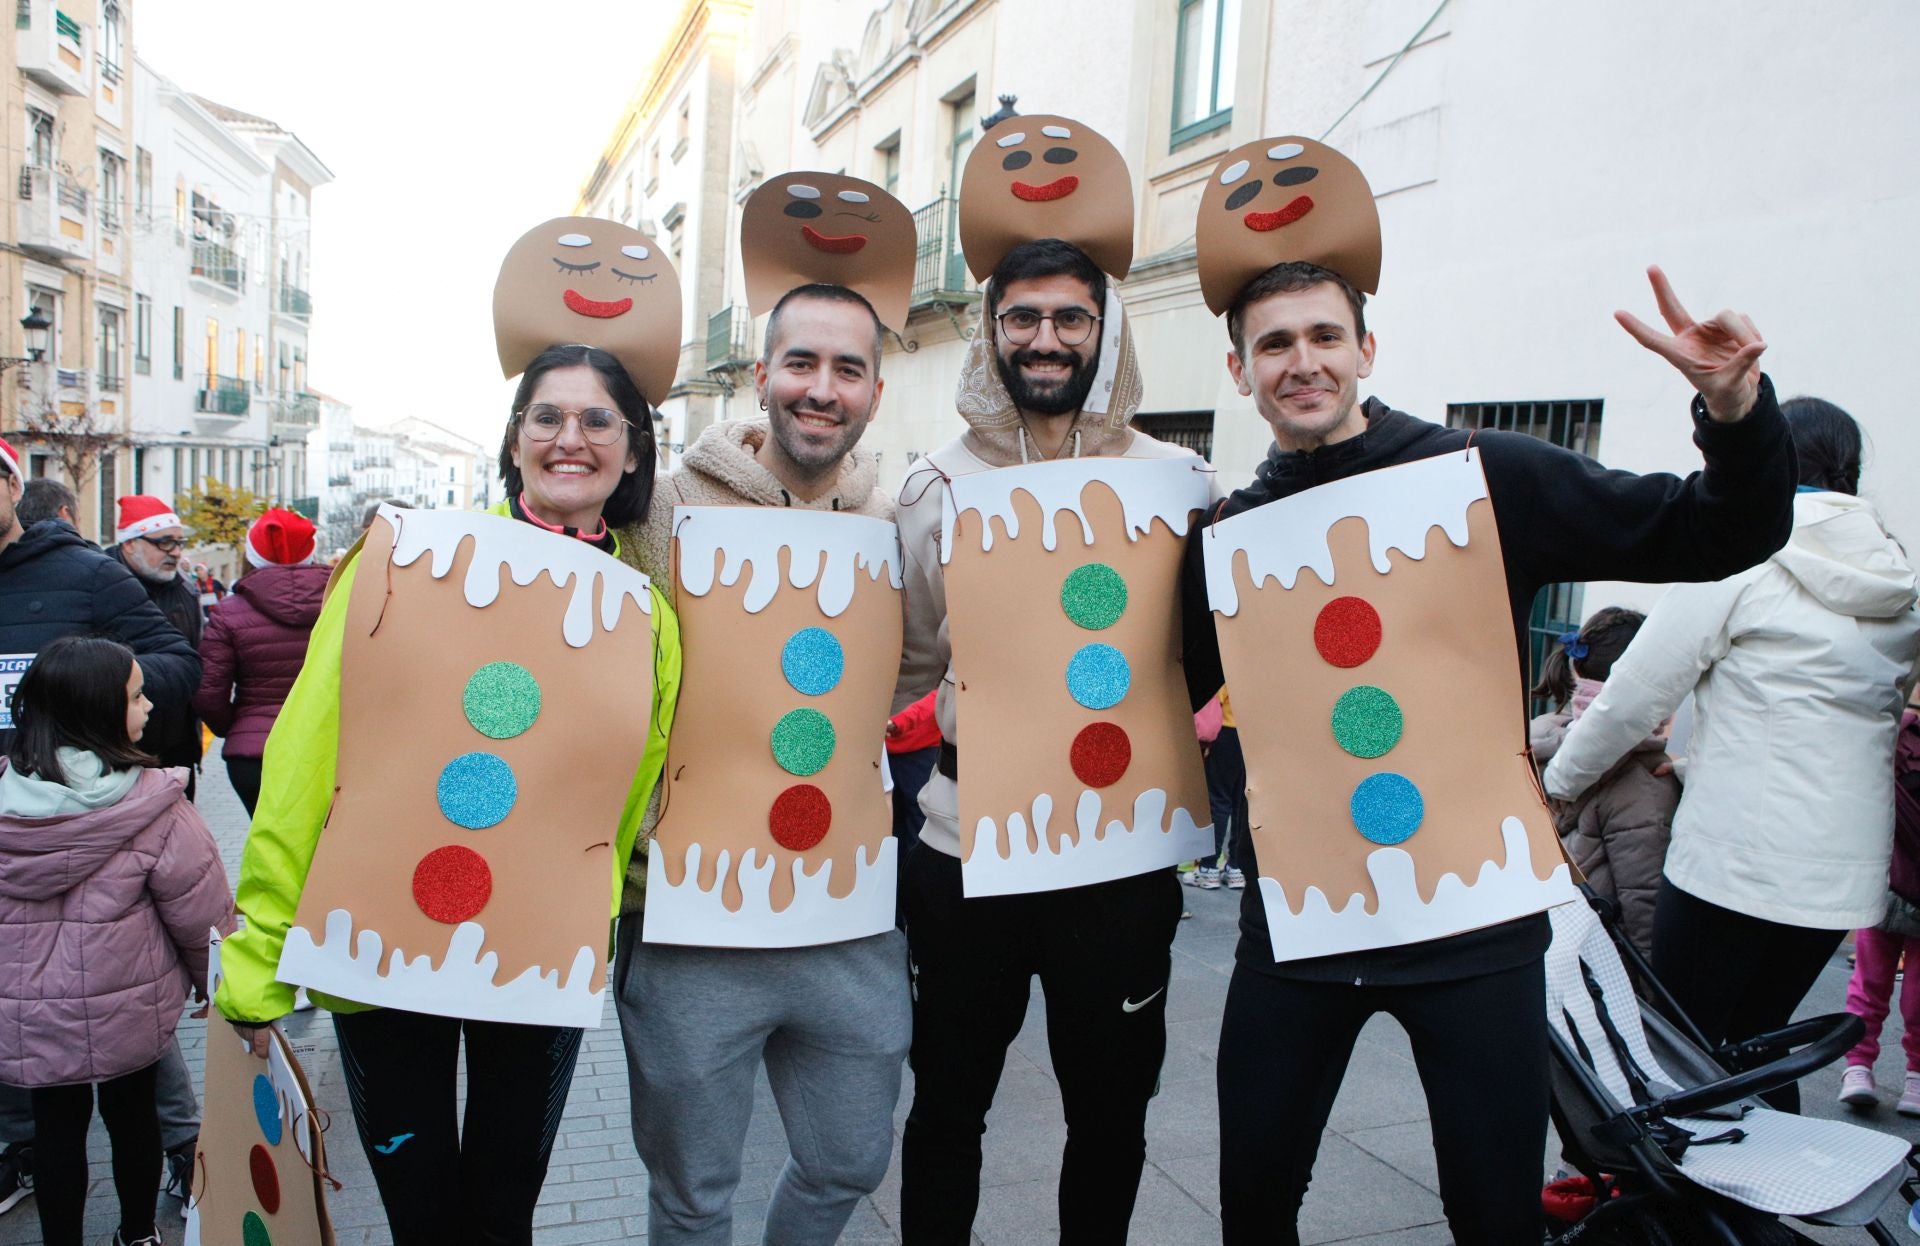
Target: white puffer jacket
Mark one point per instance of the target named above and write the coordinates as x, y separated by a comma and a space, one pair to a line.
1799, 669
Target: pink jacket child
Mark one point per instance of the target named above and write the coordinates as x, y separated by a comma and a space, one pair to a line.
104, 913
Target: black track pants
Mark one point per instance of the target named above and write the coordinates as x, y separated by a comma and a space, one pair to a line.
1480, 1045
438, 1181
1102, 954
61, 1116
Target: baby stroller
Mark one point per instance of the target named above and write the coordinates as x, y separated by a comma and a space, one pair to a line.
1668, 1133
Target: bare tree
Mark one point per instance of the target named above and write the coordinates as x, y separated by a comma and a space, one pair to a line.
77, 438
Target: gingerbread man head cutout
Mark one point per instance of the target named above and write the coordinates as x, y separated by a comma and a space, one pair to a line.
1042, 176
580, 280
1282, 200
805, 227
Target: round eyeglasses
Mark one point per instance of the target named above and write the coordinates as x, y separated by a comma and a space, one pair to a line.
542, 421
1071, 325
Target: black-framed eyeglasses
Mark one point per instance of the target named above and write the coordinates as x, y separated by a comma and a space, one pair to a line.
542, 421
1071, 325
165, 544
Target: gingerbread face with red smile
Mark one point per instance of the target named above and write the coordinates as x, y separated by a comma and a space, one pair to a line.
1045, 177
1280, 200
595, 283
808, 227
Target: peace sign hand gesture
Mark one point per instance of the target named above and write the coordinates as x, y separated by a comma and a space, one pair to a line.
1719, 357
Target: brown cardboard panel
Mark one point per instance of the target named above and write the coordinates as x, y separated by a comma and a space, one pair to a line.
225, 1190
1292, 199
809, 227
1022, 182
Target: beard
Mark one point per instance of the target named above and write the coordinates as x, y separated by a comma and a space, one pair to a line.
815, 458
1062, 397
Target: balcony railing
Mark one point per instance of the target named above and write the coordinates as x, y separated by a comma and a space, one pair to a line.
218, 264
223, 395
295, 302
939, 269
298, 410
336, 482
729, 338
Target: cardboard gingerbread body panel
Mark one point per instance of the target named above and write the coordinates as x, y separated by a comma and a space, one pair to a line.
1378, 696
776, 827
496, 691
1081, 764
260, 1152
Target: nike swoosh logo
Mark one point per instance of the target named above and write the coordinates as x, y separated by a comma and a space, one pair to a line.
393, 1144
1127, 1005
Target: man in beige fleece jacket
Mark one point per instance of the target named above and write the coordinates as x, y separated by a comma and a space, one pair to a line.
831, 1021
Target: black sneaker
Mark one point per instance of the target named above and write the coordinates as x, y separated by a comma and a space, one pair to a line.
16, 1174
178, 1182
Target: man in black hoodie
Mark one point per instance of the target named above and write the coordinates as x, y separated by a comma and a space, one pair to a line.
151, 542
1473, 1004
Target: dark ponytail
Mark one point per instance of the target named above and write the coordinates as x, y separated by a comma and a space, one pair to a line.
1827, 443
1596, 647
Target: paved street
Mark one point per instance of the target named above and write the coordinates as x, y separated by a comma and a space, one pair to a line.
1375, 1181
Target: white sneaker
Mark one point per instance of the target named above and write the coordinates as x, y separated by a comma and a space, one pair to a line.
1236, 881
1909, 1104
1205, 877
1856, 1087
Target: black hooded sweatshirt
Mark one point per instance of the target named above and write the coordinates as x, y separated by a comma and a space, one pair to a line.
1561, 517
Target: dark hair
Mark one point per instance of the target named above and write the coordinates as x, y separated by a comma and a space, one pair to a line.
1605, 636
43, 499
628, 502
821, 292
373, 510
1826, 441
1045, 257
74, 695
1290, 278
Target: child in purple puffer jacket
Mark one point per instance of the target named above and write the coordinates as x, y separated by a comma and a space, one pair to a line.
109, 883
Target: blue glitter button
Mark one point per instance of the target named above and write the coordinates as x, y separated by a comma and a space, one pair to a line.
813, 661
1098, 676
477, 790
266, 1108
1387, 808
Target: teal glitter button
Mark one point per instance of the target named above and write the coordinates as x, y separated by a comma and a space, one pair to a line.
1367, 721
803, 742
1098, 676
1094, 596
476, 790
1387, 808
813, 661
502, 700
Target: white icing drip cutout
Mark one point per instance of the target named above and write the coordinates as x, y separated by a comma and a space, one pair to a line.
1011, 140
1401, 506
574, 240
1501, 893
852, 196
1284, 151
800, 190
461, 986
689, 914
1234, 172
1167, 490
526, 553
751, 541
1100, 853
1056, 131
635, 253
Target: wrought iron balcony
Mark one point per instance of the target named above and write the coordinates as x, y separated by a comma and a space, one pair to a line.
218, 264
295, 302
298, 411
223, 395
939, 269
729, 338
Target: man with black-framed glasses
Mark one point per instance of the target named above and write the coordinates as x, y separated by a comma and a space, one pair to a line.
151, 541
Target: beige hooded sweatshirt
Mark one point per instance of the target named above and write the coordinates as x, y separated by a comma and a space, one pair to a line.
720, 470
996, 436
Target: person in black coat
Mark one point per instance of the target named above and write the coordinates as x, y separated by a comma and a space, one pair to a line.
152, 541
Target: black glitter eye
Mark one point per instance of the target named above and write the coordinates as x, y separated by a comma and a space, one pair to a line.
1243, 194
1017, 160
1060, 155
803, 209
1293, 177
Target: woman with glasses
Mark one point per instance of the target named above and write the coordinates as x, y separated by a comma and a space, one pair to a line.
577, 460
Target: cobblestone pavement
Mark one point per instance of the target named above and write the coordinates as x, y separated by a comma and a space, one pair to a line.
1375, 1181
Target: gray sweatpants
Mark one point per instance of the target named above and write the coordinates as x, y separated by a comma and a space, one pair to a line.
178, 1108
833, 1025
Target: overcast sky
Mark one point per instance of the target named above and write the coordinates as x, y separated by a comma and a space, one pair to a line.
451, 129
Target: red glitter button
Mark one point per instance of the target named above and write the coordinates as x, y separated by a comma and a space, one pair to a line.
1347, 632
1101, 754
451, 884
800, 817
266, 1179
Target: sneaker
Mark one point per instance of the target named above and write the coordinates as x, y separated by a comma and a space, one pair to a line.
1236, 881
300, 1001
1909, 1104
1856, 1087
1205, 877
177, 1179
152, 1239
16, 1174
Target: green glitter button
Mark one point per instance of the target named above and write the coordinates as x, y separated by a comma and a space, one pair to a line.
502, 700
1366, 721
803, 742
1094, 596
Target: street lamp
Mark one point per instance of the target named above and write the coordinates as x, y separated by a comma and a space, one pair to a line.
36, 324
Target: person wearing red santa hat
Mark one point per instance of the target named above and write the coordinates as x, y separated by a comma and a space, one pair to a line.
256, 641
151, 540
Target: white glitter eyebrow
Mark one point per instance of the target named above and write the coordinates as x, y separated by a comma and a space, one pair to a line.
1011, 140
800, 191
1234, 172
1285, 151
852, 196
635, 253
1056, 131
574, 240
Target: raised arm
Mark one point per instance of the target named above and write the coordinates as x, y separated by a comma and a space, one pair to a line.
924, 653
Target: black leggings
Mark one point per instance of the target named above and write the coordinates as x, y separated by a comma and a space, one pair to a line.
438, 1183
1227, 796
1102, 954
61, 1117
1480, 1045
244, 774
1736, 976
